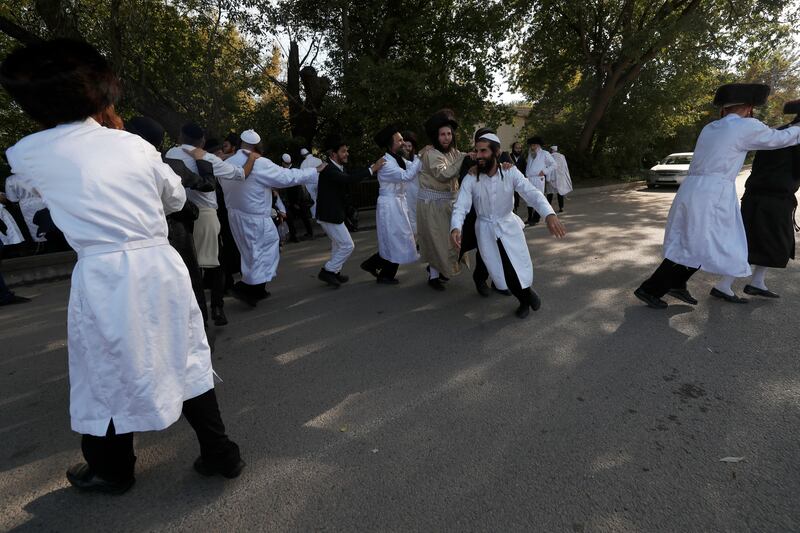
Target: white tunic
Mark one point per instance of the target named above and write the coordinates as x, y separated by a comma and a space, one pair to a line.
396, 241
137, 347
704, 228
30, 203
493, 199
312, 162
563, 181
412, 191
222, 171
249, 204
542, 162
12, 235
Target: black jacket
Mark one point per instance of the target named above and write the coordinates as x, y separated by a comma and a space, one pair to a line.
332, 192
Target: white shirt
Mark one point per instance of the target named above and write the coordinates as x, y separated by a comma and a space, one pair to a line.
222, 171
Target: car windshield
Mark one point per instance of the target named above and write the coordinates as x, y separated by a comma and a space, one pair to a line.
677, 160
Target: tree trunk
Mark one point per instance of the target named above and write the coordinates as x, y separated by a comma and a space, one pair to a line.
598, 109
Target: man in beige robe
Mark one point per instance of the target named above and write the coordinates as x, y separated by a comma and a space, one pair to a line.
438, 188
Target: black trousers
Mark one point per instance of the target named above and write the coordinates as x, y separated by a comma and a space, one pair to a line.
258, 291
669, 275
298, 214
533, 216
214, 279
560, 200
480, 274
386, 269
112, 458
512, 280
516, 200
180, 237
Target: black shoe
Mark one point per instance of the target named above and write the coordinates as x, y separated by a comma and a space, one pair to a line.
523, 310
241, 293
367, 268
329, 278
388, 281
755, 291
218, 316
81, 477
15, 300
482, 288
342, 278
207, 469
442, 277
683, 295
436, 284
560, 210
536, 302
504, 292
652, 301
716, 293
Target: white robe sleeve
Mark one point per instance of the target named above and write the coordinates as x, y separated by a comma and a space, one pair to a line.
532, 196
169, 184
463, 202
391, 171
11, 189
223, 170
279, 205
761, 137
269, 174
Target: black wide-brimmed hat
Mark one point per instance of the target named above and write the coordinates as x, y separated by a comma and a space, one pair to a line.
384, 137
443, 117
754, 94
535, 140
148, 129
333, 142
792, 107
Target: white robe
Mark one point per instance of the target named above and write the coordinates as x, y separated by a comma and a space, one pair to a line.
136, 343
704, 228
249, 204
30, 203
396, 241
562, 181
312, 162
12, 235
493, 199
543, 162
412, 191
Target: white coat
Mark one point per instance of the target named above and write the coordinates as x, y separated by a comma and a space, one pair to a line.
396, 241
562, 181
312, 162
541, 162
12, 235
412, 191
493, 198
222, 171
704, 228
249, 204
135, 337
29, 203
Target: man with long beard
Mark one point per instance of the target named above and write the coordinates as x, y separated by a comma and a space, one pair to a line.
438, 186
501, 240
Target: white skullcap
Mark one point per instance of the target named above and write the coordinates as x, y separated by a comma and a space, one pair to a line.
286, 158
554, 148
490, 137
303, 152
250, 137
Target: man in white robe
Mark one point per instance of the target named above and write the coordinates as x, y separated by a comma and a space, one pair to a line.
311, 161
412, 187
396, 243
138, 354
704, 228
249, 204
538, 166
9, 234
29, 204
561, 183
501, 239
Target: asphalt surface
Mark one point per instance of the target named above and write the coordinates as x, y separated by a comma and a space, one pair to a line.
379, 408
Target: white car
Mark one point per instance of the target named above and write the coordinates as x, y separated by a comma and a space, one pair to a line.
671, 171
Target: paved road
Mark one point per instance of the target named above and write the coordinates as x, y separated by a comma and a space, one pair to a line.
397, 408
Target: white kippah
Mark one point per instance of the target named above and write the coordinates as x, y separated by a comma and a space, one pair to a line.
554, 148
286, 158
303, 152
250, 137
490, 137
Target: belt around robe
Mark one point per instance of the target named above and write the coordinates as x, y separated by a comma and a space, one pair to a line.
431, 195
102, 249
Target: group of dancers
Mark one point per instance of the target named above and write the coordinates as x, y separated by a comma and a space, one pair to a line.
138, 351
